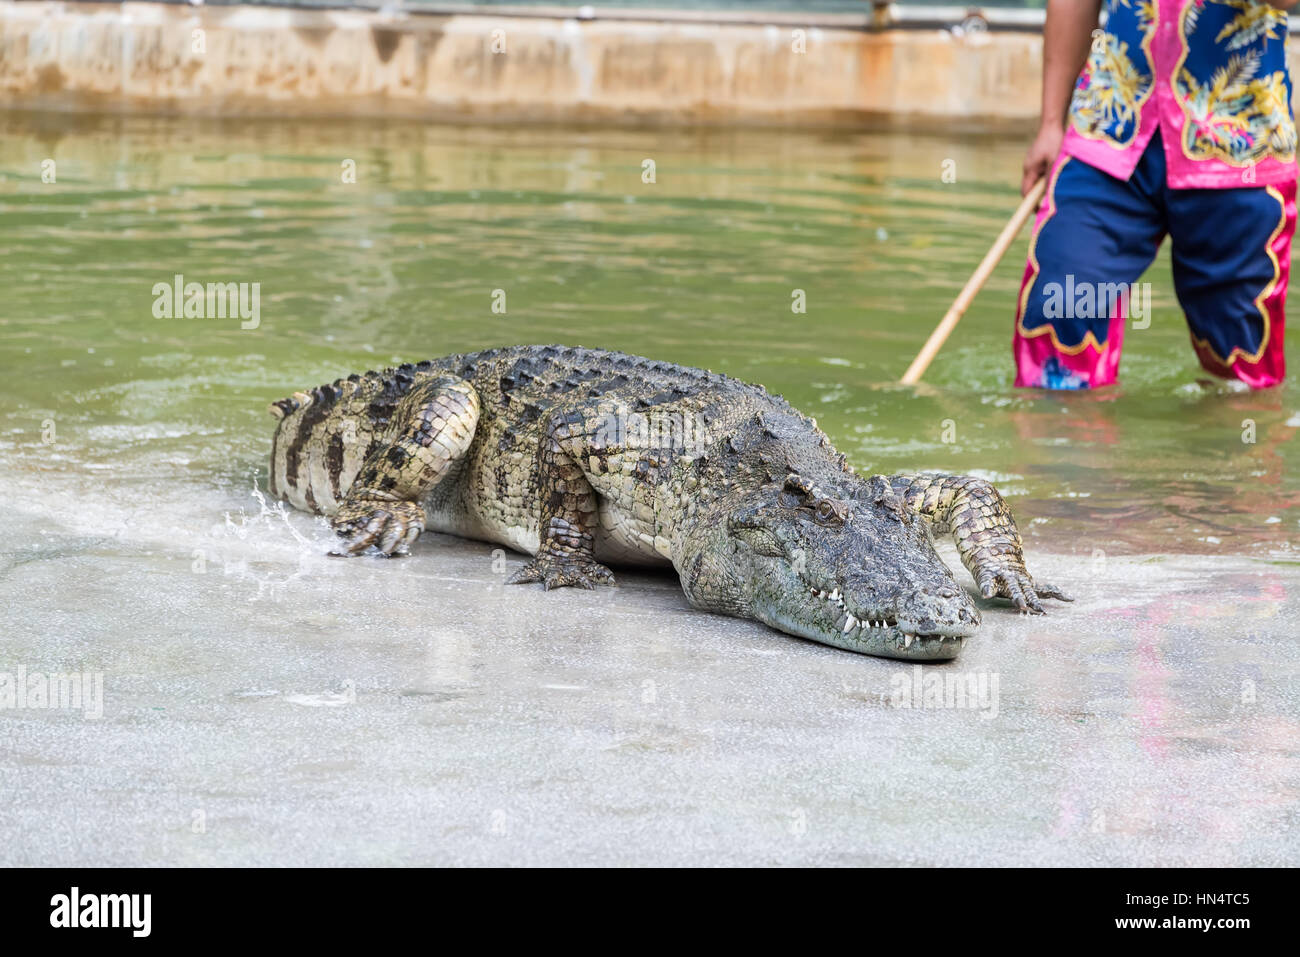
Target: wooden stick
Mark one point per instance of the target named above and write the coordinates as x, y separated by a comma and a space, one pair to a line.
974, 284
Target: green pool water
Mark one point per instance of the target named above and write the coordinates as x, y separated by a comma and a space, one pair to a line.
107, 410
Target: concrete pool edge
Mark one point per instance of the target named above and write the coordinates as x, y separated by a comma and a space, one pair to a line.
629, 67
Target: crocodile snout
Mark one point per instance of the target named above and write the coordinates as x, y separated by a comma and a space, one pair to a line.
947, 611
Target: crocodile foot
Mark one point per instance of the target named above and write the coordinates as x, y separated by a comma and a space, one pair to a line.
1012, 580
561, 571
389, 526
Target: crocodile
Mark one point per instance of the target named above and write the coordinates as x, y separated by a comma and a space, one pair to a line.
582, 459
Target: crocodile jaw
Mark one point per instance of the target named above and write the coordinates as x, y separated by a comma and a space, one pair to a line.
831, 622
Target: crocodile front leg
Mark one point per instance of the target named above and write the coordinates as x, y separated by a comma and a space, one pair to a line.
430, 429
567, 513
984, 531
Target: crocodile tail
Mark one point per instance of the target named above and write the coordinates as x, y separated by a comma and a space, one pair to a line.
322, 435
287, 406
305, 465
331, 392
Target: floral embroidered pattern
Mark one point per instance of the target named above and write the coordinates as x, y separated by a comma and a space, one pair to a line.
1233, 87
1225, 65
1237, 117
1117, 80
1109, 94
1256, 21
1146, 14
1057, 376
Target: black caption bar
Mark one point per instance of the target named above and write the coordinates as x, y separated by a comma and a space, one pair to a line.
333, 907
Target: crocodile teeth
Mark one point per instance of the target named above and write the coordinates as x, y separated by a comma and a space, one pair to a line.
849, 624
907, 641
835, 595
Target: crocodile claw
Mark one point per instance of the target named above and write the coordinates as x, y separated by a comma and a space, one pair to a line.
1017, 585
562, 572
389, 526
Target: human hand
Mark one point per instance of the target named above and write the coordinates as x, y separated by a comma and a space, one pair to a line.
1042, 154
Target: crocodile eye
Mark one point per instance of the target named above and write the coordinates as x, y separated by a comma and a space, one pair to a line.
827, 513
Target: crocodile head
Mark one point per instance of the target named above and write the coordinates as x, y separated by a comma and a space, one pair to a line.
845, 564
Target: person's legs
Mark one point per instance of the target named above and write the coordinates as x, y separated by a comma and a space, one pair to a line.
1095, 235
1232, 260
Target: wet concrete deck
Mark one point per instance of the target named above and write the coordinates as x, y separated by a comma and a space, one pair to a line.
264, 704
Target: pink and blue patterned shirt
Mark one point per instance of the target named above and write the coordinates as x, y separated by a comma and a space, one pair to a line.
1210, 75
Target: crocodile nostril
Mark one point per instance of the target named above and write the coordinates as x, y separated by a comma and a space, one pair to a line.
947, 591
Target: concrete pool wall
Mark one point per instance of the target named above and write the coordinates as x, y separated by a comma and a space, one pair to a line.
529, 64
